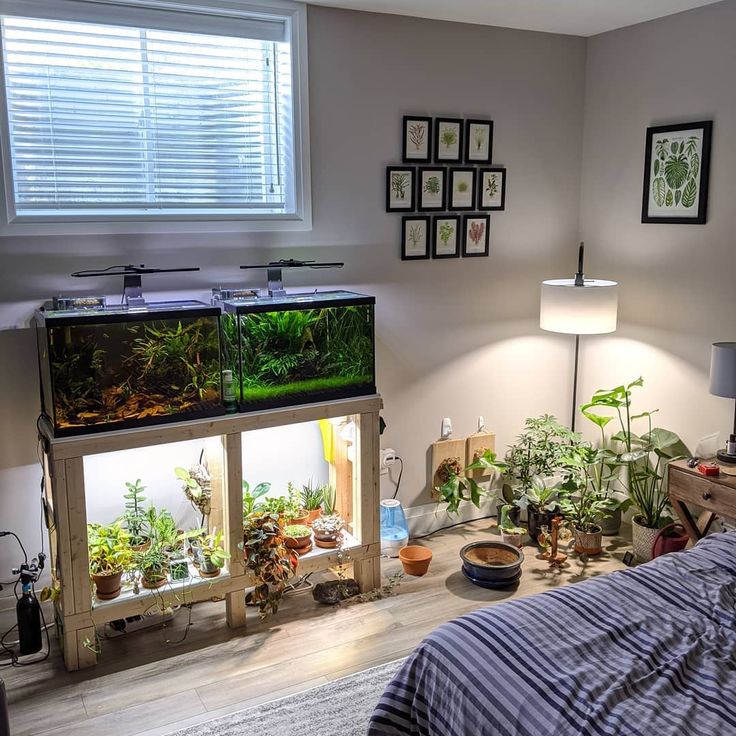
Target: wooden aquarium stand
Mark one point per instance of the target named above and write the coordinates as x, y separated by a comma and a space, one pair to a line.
78, 614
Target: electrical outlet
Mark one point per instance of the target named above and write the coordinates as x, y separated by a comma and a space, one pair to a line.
388, 458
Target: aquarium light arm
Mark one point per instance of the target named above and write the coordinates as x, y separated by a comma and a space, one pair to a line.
275, 276
132, 283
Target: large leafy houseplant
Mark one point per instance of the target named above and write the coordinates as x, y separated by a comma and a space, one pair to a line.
269, 561
456, 486
644, 456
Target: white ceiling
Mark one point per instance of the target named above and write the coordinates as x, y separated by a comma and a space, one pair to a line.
575, 17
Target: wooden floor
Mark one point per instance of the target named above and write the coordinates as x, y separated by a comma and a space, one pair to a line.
149, 685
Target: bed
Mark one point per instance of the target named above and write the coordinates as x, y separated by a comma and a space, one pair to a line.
650, 650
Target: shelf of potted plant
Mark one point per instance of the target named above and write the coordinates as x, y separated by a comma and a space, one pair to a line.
223, 495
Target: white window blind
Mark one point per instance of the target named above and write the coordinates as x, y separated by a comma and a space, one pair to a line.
128, 121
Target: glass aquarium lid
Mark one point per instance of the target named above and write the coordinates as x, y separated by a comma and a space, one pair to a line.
251, 302
75, 314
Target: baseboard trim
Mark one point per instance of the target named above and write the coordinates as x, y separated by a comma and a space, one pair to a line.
430, 517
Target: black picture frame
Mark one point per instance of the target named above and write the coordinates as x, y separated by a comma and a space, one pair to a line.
436, 220
420, 199
471, 156
439, 156
409, 188
482, 172
451, 199
406, 255
407, 155
680, 174
486, 234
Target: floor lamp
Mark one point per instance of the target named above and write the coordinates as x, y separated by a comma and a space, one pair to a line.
578, 306
723, 383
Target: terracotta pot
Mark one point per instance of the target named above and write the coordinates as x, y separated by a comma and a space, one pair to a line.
642, 539
298, 520
153, 583
312, 515
326, 542
512, 538
297, 542
673, 538
589, 543
141, 547
415, 559
108, 586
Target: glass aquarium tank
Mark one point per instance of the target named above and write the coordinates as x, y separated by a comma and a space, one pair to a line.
298, 348
105, 368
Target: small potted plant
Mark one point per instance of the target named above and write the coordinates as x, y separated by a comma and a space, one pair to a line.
311, 498
276, 506
134, 517
295, 513
540, 499
153, 565
329, 500
212, 555
510, 532
298, 537
197, 488
252, 499
583, 502
109, 557
270, 562
328, 530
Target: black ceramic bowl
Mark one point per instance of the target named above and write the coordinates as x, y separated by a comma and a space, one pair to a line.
492, 561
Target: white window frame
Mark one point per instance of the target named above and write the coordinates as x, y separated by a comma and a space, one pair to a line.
74, 224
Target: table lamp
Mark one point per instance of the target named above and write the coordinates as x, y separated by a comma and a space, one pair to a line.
723, 383
578, 306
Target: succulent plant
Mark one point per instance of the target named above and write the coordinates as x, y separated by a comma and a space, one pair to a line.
327, 526
296, 531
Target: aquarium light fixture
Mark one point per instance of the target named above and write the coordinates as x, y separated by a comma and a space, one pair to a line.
274, 275
132, 284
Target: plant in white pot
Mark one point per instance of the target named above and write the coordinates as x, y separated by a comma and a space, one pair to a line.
510, 532
645, 458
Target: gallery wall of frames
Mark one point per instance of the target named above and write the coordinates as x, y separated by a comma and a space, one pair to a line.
446, 187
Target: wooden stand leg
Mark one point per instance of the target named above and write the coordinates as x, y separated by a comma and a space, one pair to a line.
367, 573
235, 609
233, 524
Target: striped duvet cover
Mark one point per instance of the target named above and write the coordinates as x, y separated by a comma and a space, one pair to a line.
648, 651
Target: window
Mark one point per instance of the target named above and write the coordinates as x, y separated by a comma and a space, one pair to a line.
116, 120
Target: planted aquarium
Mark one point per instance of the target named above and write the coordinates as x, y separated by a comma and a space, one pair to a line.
299, 348
105, 368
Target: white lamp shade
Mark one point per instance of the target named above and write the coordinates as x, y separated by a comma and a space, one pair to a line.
591, 309
723, 369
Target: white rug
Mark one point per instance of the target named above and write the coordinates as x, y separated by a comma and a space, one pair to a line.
341, 707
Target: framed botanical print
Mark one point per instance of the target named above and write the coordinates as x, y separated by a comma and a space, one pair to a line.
492, 188
448, 140
462, 189
676, 168
415, 237
417, 139
446, 236
431, 186
478, 141
476, 235
400, 188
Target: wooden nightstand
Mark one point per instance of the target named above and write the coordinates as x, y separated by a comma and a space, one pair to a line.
715, 495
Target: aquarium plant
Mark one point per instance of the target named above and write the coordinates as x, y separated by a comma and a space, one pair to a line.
145, 370
295, 355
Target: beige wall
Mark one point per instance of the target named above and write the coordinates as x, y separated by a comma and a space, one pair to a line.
677, 281
457, 338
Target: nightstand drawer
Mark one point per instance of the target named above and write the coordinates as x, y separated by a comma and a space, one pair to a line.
703, 492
